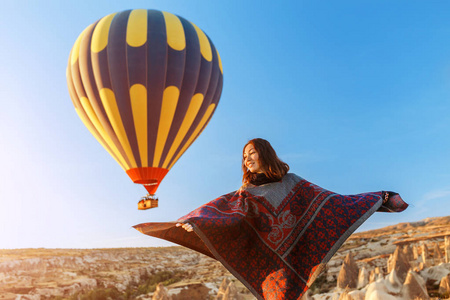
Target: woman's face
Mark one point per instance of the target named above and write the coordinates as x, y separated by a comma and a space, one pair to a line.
251, 159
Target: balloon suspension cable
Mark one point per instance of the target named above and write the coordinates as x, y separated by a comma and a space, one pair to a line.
149, 197
148, 201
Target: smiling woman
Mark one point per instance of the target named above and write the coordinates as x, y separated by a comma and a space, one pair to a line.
251, 159
261, 164
278, 231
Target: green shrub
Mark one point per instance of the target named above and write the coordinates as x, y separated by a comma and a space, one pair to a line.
164, 277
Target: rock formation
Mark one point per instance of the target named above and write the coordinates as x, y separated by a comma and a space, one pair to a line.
363, 278
352, 295
433, 275
447, 249
408, 252
356, 295
378, 273
375, 274
28, 297
348, 275
377, 290
192, 291
415, 253
161, 293
425, 255
344, 295
371, 276
227, 291
222, 289
36, 274
231, 293
399, 263
307, 296
444, 286
414, 287
50, 273
437, 251
421, 267
393, 283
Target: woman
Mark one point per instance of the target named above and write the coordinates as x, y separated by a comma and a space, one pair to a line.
278, 231
258, 168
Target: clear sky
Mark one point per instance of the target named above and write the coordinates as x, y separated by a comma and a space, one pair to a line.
353, 95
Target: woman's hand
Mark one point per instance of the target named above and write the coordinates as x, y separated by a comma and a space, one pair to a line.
188, 227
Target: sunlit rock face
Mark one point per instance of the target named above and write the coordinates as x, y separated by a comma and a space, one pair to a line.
447, 249
410, 270
399, 263
363, 277
393, 283
344, 295
348, 276
444, 286
425, 255
352, 295
416, 252
161, 293
357, 295
377, 290
372, 276
222, 289
231, 293
414, 287
437, 251
228, 291
408, 252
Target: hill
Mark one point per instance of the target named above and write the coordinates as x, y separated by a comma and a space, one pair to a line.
133, 273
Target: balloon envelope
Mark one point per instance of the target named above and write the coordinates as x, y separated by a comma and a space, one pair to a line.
145, 83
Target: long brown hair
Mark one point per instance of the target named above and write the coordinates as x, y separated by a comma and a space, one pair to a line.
272, 166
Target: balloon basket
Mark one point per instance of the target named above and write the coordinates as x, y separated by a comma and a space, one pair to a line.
147, 202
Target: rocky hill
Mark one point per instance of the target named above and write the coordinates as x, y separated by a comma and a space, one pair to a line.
405, 261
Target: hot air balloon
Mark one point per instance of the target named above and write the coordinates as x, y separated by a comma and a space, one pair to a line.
145, 83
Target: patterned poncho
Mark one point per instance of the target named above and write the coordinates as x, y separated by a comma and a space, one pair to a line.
275, 238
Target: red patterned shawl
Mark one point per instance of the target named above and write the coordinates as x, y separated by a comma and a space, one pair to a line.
275, 238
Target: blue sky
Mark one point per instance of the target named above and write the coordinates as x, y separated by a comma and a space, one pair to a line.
353, 95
